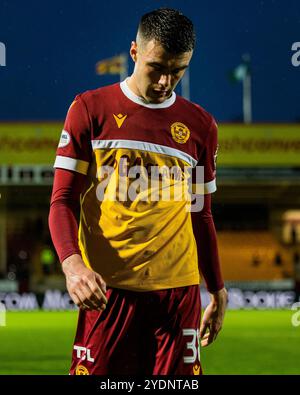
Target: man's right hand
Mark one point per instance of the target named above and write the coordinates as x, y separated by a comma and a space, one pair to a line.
86, 287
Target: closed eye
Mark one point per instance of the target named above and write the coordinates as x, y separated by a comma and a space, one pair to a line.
160, 68
156, 67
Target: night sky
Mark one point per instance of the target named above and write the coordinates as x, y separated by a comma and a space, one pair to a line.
52, 48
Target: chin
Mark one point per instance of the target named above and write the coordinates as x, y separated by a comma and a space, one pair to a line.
157, 100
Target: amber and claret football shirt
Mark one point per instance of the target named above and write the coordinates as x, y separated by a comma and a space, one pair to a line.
144, 241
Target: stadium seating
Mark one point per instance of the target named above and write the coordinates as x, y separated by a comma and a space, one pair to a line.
253, 255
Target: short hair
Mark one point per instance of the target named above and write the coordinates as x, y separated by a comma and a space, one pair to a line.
173, 30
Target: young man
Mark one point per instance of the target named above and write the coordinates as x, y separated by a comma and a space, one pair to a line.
134, 268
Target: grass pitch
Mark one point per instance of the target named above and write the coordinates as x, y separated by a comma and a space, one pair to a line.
251, 342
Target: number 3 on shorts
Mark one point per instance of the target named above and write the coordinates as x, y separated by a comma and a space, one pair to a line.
192, 345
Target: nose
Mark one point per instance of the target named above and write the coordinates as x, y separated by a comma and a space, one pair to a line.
165, 80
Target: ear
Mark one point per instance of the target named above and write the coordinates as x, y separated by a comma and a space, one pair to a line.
133, 51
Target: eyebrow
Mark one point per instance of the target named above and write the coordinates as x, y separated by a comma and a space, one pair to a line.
164, 67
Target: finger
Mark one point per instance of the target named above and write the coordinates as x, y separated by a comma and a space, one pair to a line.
93, 293
97, 295
213, 333
203, 328
204, 343
205, 337
101, 283
76, 299
204, 340
211, 337
84, 302
207, 340
89, 297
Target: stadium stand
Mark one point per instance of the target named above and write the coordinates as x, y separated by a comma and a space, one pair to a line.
253, 255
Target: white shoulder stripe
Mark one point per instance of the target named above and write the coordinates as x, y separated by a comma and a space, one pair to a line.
144, 146
64, 162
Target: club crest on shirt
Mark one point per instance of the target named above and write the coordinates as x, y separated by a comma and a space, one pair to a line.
180, 132
81, 371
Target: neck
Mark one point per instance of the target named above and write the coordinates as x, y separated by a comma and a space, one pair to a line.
131, 82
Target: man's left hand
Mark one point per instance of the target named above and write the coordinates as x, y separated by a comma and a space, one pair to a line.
213, 317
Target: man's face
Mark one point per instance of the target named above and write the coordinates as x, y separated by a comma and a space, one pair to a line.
156, 71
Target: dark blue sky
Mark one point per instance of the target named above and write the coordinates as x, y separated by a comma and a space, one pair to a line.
52, 48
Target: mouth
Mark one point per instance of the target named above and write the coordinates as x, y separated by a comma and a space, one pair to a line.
159, 92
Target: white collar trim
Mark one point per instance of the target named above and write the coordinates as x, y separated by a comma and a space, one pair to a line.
136, 99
